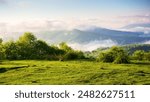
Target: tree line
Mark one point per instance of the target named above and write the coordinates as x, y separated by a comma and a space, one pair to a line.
119, 55
28, 47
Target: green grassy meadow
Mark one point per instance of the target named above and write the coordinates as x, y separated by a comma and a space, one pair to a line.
33, 72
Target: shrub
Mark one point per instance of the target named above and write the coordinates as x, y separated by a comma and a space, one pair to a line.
121, 59
138, 55
115, 54
106, 57
147, 56
2, 52
71, 55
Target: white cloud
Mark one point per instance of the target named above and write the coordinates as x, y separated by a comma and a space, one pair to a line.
61, 24
145, 30
33, 26
42, 25
45, 25
49, 25
141, 18
147, 42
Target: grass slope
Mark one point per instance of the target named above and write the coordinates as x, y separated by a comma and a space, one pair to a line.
73, 72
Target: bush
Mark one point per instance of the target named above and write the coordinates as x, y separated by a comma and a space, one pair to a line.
115, 54
106, 57
138, 55
147, 56
2, 52
121, 59
71, 55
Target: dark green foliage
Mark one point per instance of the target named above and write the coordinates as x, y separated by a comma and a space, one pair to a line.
115, 54
31, 48
2, 52
120, 55
138, 55
141, 55
71, 55
134, 47
1, 40
65, 47
42, 49
147, 56
28, 47
106, 57
129, 48
11, 50
80, 54
134, 51
27, 38
123, 58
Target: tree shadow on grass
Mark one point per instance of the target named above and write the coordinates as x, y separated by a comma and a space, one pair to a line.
3, 70
141, 63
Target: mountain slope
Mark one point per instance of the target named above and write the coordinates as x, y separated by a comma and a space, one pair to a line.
97, 34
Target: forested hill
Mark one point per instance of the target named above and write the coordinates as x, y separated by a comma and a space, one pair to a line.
131, 48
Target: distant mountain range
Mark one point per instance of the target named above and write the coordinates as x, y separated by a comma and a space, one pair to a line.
96, 34
94, 38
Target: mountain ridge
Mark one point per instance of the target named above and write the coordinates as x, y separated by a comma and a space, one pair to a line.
85, 36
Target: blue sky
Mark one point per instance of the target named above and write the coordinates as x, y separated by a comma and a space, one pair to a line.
104, 12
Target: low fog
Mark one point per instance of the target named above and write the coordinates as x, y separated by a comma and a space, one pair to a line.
93, 45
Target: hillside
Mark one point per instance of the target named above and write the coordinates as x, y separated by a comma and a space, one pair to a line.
134, 47
130, 48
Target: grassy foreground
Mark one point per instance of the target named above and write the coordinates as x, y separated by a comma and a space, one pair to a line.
73, 72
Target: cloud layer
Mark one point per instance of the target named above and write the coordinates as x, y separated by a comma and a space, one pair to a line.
93, 45
55, 24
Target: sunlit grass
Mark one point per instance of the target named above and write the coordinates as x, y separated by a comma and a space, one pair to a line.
30, 72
